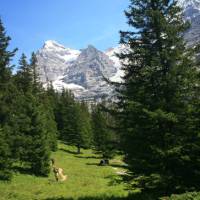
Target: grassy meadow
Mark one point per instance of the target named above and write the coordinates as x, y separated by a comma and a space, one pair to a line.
86, 181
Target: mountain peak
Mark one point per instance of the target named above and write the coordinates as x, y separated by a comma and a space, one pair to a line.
52, 43
91, 49
90, 46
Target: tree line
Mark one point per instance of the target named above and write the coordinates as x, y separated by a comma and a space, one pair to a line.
32, 118
81, 124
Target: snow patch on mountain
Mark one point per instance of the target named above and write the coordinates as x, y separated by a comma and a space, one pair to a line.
54, 59
112, 54
83, 72
59, 85
66, 54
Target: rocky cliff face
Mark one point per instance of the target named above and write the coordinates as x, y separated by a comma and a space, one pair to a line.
83, 71
54, 59
191, 9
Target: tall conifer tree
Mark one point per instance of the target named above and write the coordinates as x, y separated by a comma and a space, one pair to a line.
35, 125
5, 111
48, 99
73, 121
84, 134
104, 138
159, 129
24, 78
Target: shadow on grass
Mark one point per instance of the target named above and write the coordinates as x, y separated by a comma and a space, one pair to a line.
136, 196
119, 165
69, 151
22, 170
110, 165
88, 157
95, 164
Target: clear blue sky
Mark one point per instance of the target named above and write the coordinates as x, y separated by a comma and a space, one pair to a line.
74, 23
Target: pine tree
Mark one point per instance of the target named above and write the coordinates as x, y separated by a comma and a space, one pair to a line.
37, 87
104, 138
5, 157
73, 121
5, 88
84, 132
24, 78
48, 99
5, 71
31, 136
53, 97
65, 115
159, 130
39, 148
35, 130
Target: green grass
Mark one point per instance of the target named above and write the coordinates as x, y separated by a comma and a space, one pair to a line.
86, 179
186, 196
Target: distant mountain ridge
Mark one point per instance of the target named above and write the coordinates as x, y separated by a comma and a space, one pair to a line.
83, 71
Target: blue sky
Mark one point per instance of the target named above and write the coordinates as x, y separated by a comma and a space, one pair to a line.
73, 23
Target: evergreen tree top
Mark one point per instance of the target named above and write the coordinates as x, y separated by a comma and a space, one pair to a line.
4, 42
5, 58
23, 64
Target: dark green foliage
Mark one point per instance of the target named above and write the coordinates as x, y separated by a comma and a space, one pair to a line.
37, 87
5, 58
39, 150
159, 99
5, 72
5, 157
73, 121
65, 115
53, 97
29, 134
28, 127
5, 103
24, 78
48, 100
84, 125
35, 130
104, 138
51, 128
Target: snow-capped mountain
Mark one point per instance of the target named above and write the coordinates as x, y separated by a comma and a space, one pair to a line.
82, 71
54, 59
191, 9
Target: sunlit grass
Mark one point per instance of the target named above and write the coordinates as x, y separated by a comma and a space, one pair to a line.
86, 181
85, 178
